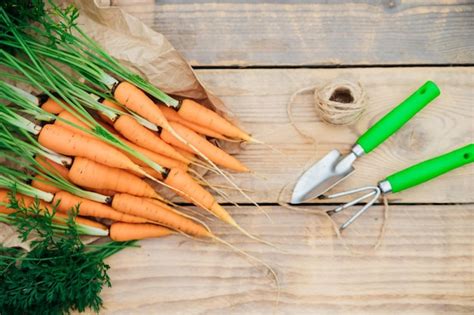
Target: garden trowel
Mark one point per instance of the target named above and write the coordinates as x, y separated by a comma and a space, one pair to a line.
334, 168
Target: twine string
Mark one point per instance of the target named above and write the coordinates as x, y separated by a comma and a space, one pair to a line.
341, 102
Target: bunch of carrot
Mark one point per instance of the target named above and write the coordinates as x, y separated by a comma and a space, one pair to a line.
101, 134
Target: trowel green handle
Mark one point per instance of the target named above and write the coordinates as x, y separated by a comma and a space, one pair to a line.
394, 120
429, 169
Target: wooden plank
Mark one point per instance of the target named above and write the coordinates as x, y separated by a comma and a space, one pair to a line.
343, 32
258, 98
424, 266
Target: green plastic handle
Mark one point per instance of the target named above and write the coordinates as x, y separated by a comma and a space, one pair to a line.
430, 169
395, 119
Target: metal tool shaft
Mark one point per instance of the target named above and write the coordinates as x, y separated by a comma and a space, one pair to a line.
373, 194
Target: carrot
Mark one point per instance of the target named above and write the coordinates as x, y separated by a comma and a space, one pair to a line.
172, 115
92, 175
69, 143
88, 208
5, 210
105, 192
160, 204
110, 104
71, 118
58, 217
189, 155
22, 199
142, 208
150, 172
136, 133
68, 117
121, 232
144, 166
200, 115
51, 106
137, 101
109, 128
213, 153
155, 157
195, 193
43, 184
52, 167
170, 139
80, 220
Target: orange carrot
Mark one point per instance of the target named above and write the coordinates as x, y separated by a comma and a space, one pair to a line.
155, 157
88, 208
83, 221
93, 175
110, 104
44, 184
151, 172
109, 128
200, 115
51, 106
137, 101
105, 192
160, 204
71, 118
195, 193
70, 143
22, 199
159, 159
213, 153
189, 155
52, 167
145, 138
172, 115
41, 182
58, 217
142, 208
121, 232
5, 210
68, 117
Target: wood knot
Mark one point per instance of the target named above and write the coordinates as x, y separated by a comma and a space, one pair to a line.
390, 4
412, 138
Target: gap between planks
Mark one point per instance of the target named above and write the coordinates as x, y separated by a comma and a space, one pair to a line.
345, 66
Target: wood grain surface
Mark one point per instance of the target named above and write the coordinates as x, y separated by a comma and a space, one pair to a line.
424, 266
259, 97
317, 32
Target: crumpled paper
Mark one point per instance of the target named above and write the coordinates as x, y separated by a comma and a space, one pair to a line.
9, 237
144, 50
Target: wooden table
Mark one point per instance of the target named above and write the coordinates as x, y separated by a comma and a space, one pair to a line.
254, 56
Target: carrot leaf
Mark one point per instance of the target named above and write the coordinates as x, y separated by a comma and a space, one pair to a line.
60, 274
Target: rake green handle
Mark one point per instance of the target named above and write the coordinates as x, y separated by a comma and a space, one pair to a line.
424, 171
394, 120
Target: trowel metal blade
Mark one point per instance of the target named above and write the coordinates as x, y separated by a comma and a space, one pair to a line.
322, 176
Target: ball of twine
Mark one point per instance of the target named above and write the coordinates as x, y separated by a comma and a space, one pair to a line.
341, 102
